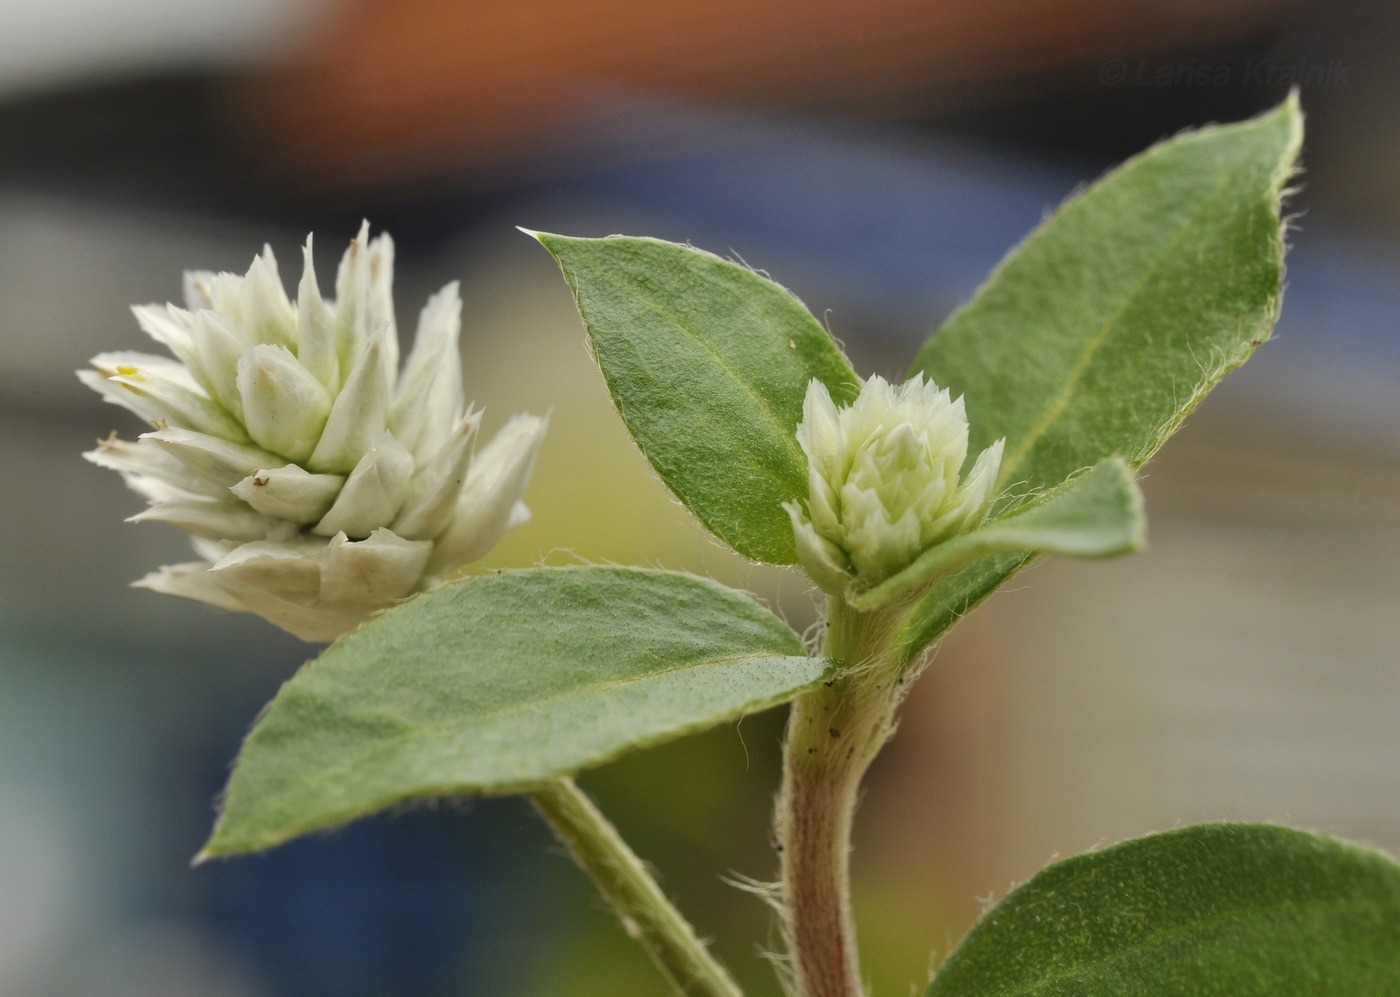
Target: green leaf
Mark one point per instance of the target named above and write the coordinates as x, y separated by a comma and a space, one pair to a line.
708, 364
501, 682
955, 595
1217, 910
1105, 328
1101, 332
1094, 514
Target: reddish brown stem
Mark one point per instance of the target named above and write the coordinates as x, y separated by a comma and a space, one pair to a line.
834, 732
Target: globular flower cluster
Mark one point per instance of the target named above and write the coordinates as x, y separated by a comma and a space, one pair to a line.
883, 477
319, 483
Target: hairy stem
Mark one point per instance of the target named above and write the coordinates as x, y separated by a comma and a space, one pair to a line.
834, 732
622, 879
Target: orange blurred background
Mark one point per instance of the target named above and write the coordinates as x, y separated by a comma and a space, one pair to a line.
409, 87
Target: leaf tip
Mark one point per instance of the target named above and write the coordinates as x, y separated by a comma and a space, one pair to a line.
1290, 116
221, 843
1291, 109
225, 845
555, 244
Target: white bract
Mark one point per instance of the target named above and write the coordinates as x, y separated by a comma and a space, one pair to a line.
319, 483
883, 480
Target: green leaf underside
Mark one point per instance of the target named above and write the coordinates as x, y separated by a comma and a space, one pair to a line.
953, 597
1101, 332
1217, 910
1094, 514
708, 363
501, 682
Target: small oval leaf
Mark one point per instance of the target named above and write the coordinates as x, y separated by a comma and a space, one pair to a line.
708, 363
500, 682
1216, 910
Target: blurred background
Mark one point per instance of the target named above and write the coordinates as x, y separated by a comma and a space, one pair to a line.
877, 158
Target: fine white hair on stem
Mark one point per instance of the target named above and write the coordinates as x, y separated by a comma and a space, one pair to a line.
770, 894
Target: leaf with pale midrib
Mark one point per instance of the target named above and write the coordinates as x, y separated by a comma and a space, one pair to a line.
1101, 332
708, 364
500, 682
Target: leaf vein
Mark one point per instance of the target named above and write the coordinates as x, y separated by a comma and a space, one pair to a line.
390, 743
1063, 398
787, 433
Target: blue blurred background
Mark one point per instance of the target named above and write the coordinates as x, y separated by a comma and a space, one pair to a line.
876, 158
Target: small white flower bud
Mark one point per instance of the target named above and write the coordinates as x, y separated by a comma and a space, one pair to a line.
318, 486
883, 480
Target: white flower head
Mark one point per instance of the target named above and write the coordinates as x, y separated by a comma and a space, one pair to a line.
883, 479
320, 483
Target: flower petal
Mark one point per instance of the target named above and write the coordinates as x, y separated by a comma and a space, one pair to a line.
494, 485
356, 417
819, 557
316, 345
210, 518
374, 492
169, 326
289, 571
218, 292
520, 514
143, 462
190, 580
169, 387
267, 313
818, 432
428, 403
115, 394
432, 497
379, 299
199, 289
373, 573
289, 493
976, 493
219, 344
284, 405
216, 460
351, 307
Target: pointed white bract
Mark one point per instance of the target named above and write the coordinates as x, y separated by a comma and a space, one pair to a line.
319, 485
883, 478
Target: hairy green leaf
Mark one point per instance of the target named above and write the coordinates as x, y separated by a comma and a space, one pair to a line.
1094, 514
708, 364
1217, 910
1101, 332
500, 682
953, 597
